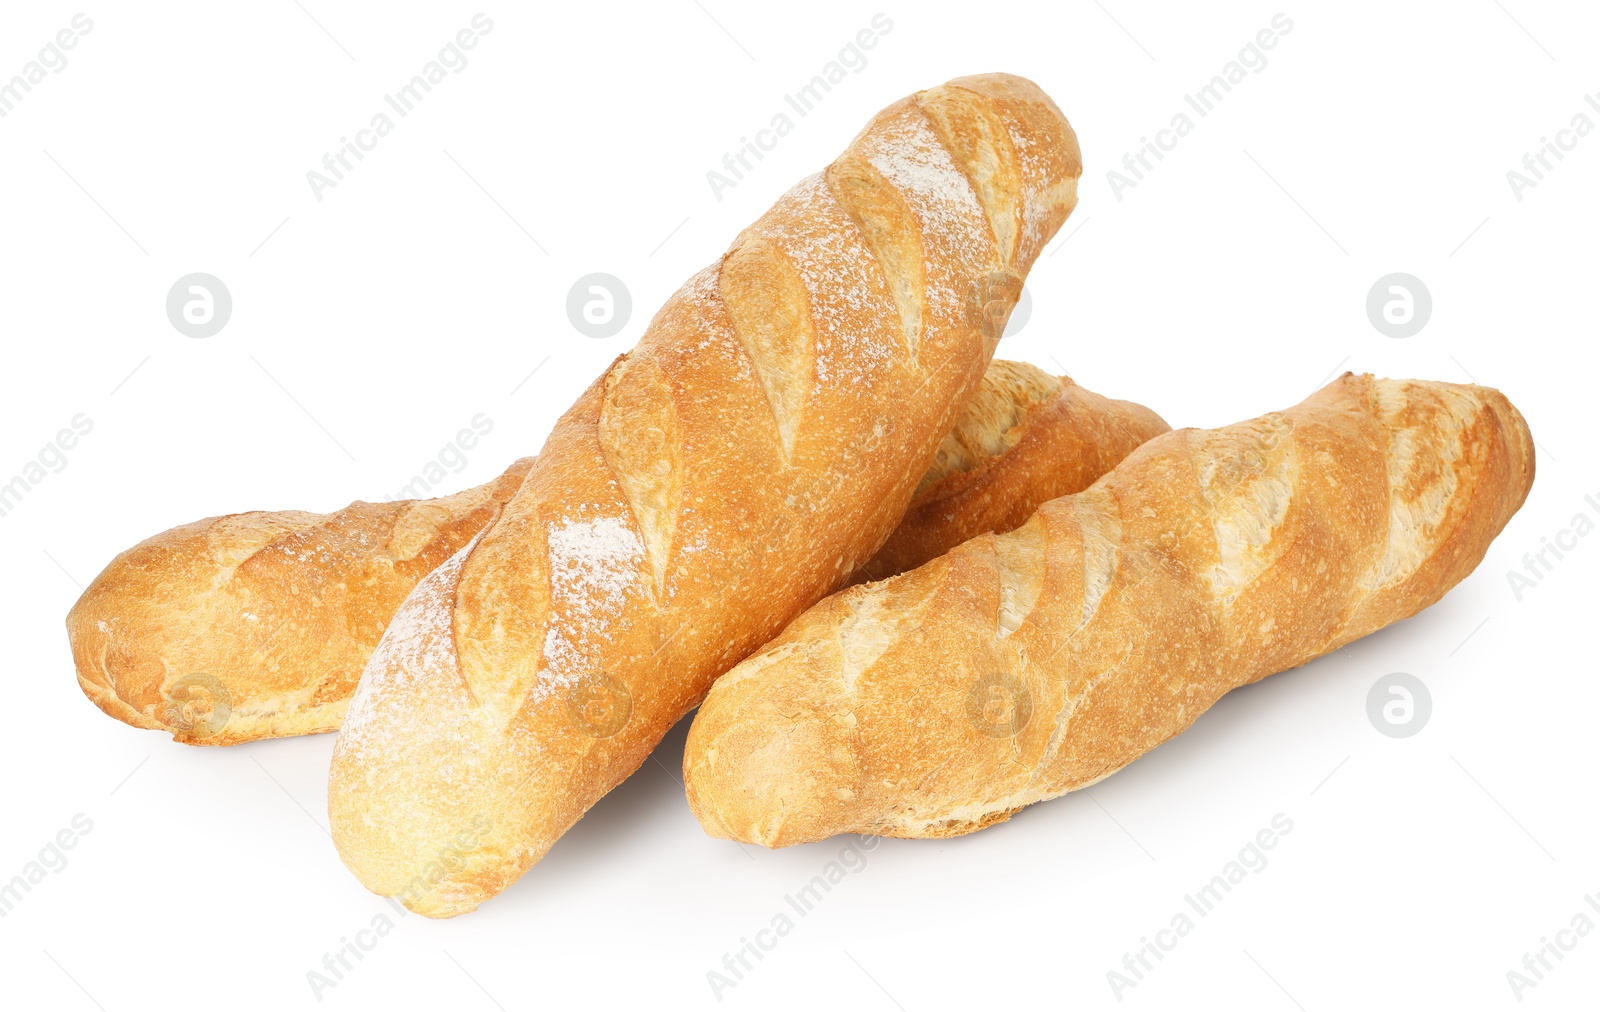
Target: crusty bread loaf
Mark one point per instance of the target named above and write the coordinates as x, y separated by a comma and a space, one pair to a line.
1022, 666
1025, 438
760, 442
258, 625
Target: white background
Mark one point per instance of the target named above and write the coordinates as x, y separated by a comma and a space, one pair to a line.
371, 325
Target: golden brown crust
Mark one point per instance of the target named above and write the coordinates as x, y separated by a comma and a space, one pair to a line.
1036, 437
182, 603
760, 442
258, 625
1021, 666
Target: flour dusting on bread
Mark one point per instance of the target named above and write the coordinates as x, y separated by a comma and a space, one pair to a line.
593, 565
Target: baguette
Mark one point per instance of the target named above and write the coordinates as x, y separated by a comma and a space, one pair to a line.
760, 442
1023, 440
258, 625
1022, 666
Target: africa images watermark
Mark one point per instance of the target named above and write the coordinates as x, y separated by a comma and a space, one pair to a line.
1537, 164
1399, 705
198, 704
852, 860
599, 305
199, 305
52, 459
52, 858
452, 59
1538, 565
1251, 859
51, 58
736, 165
1252, 59
598, 705
1536, 964
339, 963
452, 457
1399, 305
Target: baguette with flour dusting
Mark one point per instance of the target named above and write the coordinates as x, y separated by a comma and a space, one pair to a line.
1022, 666
258, 625
759, 443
